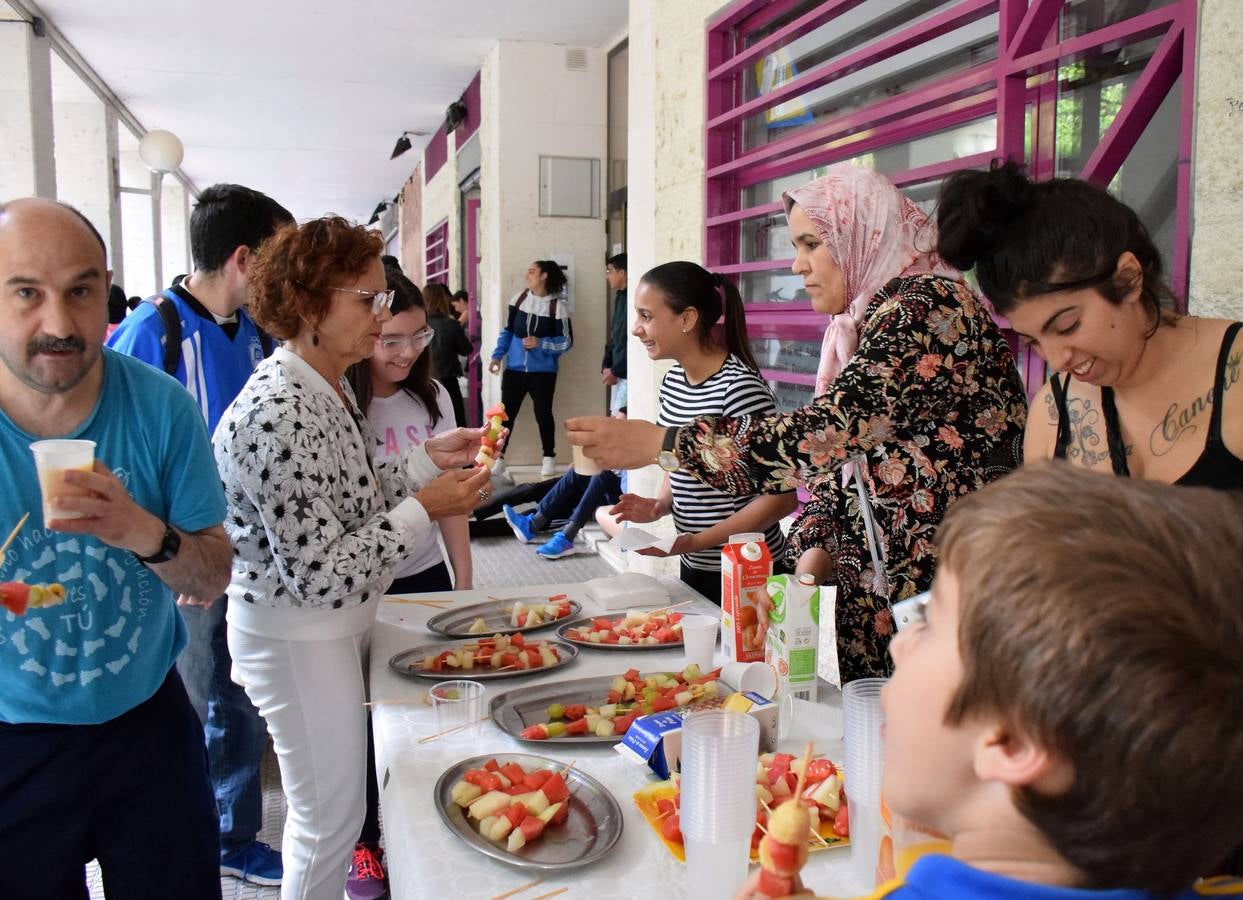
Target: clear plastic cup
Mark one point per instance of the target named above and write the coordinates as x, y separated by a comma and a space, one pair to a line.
719, 753
52, 460
751, 676
459, 710
864, 745
584, 464
699, 640
717, 868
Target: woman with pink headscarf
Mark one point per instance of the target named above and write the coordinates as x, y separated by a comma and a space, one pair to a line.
918, 402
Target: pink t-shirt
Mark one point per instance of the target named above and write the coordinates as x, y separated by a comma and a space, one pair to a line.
401, 422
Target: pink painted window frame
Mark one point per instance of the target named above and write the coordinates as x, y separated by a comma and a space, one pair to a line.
1027, 46
437, 253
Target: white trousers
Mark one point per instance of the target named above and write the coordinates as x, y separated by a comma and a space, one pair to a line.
311, 695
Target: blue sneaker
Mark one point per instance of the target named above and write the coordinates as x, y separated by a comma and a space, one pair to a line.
558, 546
520, 523
256, 862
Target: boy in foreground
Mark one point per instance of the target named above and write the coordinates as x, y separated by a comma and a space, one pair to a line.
1067, 709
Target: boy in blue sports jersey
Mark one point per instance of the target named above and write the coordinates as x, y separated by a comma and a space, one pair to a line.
1066, 705
218, 347
101, 756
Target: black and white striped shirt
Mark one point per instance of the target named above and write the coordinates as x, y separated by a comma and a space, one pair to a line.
734, 390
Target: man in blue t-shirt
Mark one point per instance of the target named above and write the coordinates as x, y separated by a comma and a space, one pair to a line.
102, 754
218, 349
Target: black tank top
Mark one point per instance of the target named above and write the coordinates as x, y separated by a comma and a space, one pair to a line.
1216, 467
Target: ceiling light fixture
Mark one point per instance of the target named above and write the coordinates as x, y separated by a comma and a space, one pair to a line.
403, 143
379, 211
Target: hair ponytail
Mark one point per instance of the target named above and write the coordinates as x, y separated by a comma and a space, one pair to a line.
735, 323
690, 286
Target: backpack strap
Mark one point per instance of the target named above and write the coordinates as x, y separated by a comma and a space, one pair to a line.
172, 331
521, 297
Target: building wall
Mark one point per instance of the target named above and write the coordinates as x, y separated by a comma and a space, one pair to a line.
666, 177
440, 201
410, 226
533, 106
1216, 254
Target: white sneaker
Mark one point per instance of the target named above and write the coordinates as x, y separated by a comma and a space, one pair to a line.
500, 471
549, 467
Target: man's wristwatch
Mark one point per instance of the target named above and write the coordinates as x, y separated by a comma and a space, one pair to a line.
667, 458
168, 547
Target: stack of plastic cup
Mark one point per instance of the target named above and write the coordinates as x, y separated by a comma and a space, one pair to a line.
719, 754
865, 763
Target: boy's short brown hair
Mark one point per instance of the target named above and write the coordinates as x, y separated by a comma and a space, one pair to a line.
1103, 618
289, 275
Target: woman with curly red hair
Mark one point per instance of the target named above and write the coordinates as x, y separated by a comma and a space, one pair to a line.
318, 528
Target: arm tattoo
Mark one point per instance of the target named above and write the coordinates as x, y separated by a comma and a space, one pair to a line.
1086, 442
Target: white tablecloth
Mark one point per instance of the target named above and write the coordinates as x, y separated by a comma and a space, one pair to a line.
425, 859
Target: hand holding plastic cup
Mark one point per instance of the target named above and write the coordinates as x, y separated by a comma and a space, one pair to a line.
584, 464
699, 640
459, 709
52, 460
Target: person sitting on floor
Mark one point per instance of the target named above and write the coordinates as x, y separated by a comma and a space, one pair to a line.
1065, 703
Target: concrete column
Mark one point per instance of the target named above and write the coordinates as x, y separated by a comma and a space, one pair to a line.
1216, 260
116, 256
27, 155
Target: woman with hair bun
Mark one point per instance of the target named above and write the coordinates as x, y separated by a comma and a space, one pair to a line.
919, 401
1138, 389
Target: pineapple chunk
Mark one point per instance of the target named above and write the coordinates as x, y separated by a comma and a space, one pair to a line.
547, 657
826, 793
608, 711
479, 626
490, 804
485, 826
518, 609
535, 802
533, 618
604, 728
500, 829
763, 794
516, 841
593, 637
546, 815
465, 793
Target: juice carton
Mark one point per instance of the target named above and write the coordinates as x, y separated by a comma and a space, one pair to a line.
655, 741
745, 567
793, 634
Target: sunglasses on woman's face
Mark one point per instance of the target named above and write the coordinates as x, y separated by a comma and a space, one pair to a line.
416, 341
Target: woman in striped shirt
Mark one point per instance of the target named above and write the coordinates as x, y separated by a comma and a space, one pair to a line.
677, 306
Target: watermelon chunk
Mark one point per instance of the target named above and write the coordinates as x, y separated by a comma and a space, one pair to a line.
555, 790
15, 596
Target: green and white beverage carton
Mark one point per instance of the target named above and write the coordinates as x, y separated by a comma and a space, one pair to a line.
793, 634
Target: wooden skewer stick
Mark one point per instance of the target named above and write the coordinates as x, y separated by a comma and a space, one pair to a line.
432, 737
802, 776
13, 533
665, 609
519, 889
551, 894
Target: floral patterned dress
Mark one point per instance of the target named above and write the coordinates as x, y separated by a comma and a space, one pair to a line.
932, 401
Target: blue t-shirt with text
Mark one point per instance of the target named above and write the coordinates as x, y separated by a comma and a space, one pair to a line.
110, 645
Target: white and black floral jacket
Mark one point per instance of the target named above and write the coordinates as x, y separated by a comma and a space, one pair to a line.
313, 521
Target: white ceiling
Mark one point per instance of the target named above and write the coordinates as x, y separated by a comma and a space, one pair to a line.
304, 99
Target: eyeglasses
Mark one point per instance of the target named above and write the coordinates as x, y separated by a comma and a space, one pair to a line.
415, 342
379, 299
911, 611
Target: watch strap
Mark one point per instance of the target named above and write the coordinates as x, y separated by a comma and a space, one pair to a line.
169, 546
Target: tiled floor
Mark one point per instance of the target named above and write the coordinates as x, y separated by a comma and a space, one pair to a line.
499, 562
